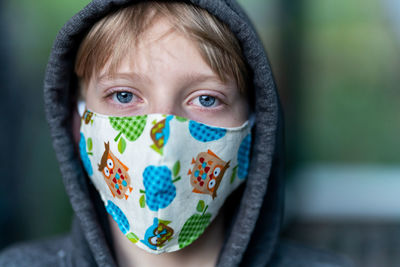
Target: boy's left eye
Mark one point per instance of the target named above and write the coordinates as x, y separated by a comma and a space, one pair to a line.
205, 101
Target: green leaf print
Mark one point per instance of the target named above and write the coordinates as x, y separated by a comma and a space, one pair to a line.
89, 144
234, 172
176, 168
142, 201
121, 145
181, 119
200, 206
132, 237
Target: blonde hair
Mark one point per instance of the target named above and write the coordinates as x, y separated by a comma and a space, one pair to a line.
110, 38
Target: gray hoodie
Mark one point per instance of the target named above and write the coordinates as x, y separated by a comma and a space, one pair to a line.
252, 236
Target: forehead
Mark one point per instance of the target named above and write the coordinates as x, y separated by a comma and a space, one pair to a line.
161, 51
112, 38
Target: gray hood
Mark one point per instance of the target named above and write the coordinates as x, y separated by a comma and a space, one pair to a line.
252, 237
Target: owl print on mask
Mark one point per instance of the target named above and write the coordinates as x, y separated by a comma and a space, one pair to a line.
160, 134
158, 234
87, 117
115, 174
207, 173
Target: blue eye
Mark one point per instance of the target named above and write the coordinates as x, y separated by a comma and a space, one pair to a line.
206, 100
124, 97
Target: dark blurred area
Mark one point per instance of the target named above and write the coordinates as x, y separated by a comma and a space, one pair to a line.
33, 203
336, 64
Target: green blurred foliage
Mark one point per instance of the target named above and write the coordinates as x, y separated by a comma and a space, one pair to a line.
34, 26
345, 92
349, 84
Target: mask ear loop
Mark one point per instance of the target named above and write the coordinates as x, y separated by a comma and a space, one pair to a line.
81, 106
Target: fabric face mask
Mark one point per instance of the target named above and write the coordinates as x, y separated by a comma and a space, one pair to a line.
163, 178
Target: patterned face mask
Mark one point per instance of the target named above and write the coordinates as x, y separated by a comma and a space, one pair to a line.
163, 178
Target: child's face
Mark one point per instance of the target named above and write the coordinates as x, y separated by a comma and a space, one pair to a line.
166, 74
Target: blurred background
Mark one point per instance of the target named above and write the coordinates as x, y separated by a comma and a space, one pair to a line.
336, 64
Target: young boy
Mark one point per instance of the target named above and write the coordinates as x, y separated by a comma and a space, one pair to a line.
158, 169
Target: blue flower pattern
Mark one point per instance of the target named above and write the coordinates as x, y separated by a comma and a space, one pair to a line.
118, 216
160, 191
205, 133
243, 157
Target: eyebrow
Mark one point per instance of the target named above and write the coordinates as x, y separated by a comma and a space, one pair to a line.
194, 77
189, 78
131, 76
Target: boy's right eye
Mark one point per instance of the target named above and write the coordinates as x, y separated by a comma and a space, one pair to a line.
123, 97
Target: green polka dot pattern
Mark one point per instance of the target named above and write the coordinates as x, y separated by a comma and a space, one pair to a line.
131, 127
193, 228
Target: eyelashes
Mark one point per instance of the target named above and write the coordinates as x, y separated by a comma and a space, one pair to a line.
125, 97
121, 97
